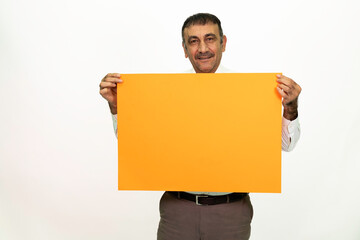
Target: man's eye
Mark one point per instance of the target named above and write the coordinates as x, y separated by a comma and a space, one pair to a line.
193, 41
210, 39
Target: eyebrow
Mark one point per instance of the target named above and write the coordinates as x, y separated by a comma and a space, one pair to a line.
192, 37
210, 35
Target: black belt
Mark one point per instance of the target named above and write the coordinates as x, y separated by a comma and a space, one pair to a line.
209, 199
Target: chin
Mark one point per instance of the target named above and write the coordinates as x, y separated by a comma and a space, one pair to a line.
206, 69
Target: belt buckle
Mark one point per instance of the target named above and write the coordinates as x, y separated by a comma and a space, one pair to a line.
197, 199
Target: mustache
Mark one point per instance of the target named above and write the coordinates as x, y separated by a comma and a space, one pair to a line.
205, 54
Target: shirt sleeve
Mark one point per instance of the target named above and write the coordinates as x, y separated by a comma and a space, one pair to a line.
114, 119
290, 134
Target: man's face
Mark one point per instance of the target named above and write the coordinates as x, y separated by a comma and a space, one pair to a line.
203, 47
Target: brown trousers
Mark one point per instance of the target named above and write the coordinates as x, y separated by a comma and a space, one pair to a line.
184, 220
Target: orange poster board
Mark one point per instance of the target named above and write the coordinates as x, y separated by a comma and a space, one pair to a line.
199, 132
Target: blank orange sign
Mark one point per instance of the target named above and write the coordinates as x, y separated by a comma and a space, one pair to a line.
199, 132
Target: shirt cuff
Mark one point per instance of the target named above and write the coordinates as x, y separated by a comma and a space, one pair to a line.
291, 133
293, 125
285, 125
114, 119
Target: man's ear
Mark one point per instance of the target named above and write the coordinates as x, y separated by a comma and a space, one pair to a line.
185, 50
224, 43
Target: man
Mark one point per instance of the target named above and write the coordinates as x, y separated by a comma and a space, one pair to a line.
199, 215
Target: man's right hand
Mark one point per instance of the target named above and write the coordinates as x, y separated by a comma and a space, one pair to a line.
108, 90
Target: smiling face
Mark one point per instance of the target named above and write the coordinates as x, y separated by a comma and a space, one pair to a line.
202, 45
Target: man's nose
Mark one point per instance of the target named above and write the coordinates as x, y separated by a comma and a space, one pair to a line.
203, 47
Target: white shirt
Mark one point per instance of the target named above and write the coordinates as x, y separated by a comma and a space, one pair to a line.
290, 133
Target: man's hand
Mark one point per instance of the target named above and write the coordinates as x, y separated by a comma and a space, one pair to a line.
289, 90
108, 90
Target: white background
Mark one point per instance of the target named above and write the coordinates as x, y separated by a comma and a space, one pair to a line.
58, 153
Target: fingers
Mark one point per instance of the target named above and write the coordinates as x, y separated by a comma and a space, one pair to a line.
104, 91
284, 80
281, 92
115, 75
284, 87
107, 85
110, 81
281, 79
288, 89
112, 77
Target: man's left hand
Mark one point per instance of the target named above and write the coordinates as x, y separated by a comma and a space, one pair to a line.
289, 90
